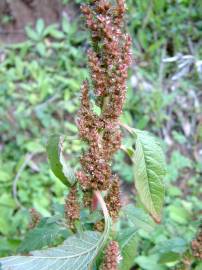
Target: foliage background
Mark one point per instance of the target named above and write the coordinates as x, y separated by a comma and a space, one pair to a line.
40, 77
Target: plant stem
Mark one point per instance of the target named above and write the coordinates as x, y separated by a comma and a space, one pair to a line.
102, 203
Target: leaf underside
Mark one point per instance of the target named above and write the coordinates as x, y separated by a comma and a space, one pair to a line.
149, 171
77, 252
57, 162
41, 237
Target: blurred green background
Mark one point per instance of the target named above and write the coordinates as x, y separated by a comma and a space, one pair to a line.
42, 65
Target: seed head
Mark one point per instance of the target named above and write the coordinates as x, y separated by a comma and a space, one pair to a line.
87, 198
72, 207
113, 199
112, 257
108, 61
35, 218
99, 226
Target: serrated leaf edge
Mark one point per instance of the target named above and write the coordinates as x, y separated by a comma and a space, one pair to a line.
153, 212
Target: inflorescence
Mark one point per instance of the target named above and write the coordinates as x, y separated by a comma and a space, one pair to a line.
108, 60
35, 218
112, 257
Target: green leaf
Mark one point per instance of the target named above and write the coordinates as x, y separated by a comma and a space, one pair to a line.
128, 238
179, 214
66, 26
149, 262
142, 37
41, 237
57, 162
139, 218
4, 176
7, 245
169, 257
31, 33
56, 34
40, 26
199, 266
128, 150
77, 252
41, 48
128, 245
71, 127
159, 5
149, 171
34, 147
176, 245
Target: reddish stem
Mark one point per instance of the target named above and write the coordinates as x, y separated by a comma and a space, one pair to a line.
94, 202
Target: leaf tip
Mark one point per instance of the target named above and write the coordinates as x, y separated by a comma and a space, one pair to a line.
157, 219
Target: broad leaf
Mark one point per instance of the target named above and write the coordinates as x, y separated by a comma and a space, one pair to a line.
149, 171
41, 237
176, 244
169, 257
40, 25
171, 250
139, 218
76, 253
128, 245
128, 238
57, 161
149, 262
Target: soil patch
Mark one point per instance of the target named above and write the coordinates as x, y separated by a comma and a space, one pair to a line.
16, 14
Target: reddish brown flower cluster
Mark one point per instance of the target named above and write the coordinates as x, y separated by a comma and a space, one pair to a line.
113, 199
35, 218
99, 226
108, 61
197, 245
112, 257
87, 198
72, 207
